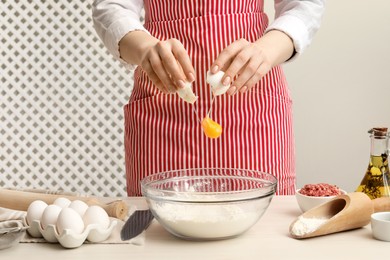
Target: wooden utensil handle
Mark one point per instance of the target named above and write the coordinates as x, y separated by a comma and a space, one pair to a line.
117, 209
381, 204
20, 200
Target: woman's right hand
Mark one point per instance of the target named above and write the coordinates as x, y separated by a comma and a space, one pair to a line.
167, 63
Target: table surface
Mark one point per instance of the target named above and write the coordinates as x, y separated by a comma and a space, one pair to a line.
268, 239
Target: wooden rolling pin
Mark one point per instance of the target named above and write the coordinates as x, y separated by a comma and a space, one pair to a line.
381, 204
20, 200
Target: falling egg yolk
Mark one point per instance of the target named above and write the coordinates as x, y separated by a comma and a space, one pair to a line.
211, 128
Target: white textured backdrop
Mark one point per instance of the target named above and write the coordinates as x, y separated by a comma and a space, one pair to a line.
61, 99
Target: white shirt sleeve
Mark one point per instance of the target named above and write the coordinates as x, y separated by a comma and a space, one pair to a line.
299, 19
112, 20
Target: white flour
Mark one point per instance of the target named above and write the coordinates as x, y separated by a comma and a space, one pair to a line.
206, 221
306, 225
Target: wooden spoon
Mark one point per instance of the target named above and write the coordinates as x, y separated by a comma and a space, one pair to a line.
345, 212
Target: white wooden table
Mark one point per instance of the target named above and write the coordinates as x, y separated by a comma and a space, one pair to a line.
268, 239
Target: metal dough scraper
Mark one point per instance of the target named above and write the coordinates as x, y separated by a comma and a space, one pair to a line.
136, 224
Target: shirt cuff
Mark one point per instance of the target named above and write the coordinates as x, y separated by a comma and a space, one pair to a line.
295, 28
116, 32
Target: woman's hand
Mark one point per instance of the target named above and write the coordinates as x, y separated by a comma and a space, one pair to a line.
165, 62
247, 62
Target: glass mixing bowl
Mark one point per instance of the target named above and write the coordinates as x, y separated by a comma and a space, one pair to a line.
208, 204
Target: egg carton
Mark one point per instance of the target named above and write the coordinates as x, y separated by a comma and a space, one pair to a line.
69, 239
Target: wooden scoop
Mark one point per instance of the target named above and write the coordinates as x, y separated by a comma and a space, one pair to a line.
345, 212
20, 200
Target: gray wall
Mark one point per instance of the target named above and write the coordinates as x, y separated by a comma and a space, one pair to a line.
341, 88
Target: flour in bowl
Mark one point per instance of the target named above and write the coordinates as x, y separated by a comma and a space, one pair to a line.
207, 221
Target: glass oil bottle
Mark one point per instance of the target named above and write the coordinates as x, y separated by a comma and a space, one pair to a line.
376, 181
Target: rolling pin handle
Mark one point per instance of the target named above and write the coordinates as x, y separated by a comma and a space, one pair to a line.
381, 204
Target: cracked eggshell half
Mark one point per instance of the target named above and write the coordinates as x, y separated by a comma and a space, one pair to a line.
215, 81
187, 94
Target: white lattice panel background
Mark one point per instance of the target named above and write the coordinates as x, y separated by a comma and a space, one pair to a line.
61, 99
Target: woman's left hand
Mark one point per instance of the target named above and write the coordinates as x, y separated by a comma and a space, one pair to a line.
248, 62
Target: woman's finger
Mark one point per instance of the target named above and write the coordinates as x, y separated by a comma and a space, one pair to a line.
184, 61
227, 55
153, 77
171, 66
239, 62
162, 74
256, 77
248, 70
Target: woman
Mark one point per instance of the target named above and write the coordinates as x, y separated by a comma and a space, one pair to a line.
179, 42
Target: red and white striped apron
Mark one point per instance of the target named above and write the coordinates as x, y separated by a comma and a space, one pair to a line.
162, 132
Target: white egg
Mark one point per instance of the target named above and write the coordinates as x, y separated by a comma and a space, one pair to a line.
215, 81
79, 206
187, 94
35, 211
62, 202
96, 215
69, 219
50, 215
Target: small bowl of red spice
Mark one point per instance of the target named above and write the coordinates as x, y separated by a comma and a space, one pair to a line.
312, 195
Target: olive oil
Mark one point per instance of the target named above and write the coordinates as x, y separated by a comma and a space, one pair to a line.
376, 181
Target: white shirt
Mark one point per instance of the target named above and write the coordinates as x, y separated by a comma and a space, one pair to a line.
113, 19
